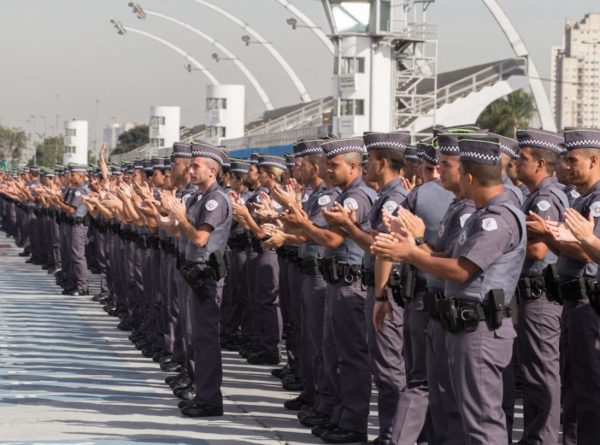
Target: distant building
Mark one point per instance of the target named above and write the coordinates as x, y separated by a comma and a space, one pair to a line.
576, 74
111, 133
76, 142
164, 127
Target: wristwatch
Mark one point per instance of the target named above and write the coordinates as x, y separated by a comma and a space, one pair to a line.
419, 241
381, 298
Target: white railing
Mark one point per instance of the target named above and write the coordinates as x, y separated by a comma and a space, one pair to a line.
475, 82
146, 151
309, 114
277, 139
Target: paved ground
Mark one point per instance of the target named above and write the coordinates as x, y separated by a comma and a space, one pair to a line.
67, 375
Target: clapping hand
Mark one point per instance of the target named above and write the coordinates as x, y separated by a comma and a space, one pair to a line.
339, 215
582, 229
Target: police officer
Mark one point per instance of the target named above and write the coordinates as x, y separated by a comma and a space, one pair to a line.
206, 226
445, 417
345, 350
76, 212
481, 277
234, 312
509, 150
539, 312
315, 404
385, 341
580, 327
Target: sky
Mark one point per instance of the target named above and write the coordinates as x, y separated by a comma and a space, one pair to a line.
62, 60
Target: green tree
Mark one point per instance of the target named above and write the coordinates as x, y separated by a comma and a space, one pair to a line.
132, 139
50, 151
505, 115
12, 143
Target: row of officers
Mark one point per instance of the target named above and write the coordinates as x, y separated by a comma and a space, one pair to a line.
444, 273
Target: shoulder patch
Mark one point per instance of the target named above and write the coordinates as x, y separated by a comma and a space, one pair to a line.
211, 205
489, 224
324, 200
390, 206
464, 218
77, 193
574, 193
462, 237
185, 197
595, 209
441, 230
350, 203
305, 197
543, 205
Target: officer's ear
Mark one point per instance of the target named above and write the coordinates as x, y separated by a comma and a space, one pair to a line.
594, 159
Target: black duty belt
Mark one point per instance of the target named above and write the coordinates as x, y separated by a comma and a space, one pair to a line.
368, 277
576, 289
339, 273
457, 315
530, 288
310, 266
432, 301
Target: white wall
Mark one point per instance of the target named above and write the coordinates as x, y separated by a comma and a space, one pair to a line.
375, 93
164, 127
76, 142
225, 110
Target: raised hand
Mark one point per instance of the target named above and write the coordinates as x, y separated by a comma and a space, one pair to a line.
339, 215
581, 228
393, 247
411, 223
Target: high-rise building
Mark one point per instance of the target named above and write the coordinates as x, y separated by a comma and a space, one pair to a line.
576, 74
111, 133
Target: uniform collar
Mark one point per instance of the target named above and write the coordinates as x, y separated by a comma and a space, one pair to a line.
394, 183
545, 183
355, 184
213, 187
593, 188
500, 198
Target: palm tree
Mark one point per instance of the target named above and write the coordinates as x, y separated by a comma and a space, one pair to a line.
505, 115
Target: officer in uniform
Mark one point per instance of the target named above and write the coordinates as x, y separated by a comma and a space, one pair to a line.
76, 216
385, 341
577, 271
206, 226
315, 404
345, 350
509, 150
539, 312
178, 307
413, 402
445, 417
481, 277
233, 311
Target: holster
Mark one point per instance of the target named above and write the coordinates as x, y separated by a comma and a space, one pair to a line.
335, 273
551, 282
432, 304
530, 288
594, 296
495, 308
310, 266
402, 283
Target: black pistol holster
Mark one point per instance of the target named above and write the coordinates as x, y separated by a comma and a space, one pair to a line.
402, 283
594, 296
551, 281
495, 308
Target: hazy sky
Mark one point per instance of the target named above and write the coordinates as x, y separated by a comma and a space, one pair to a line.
67, 48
